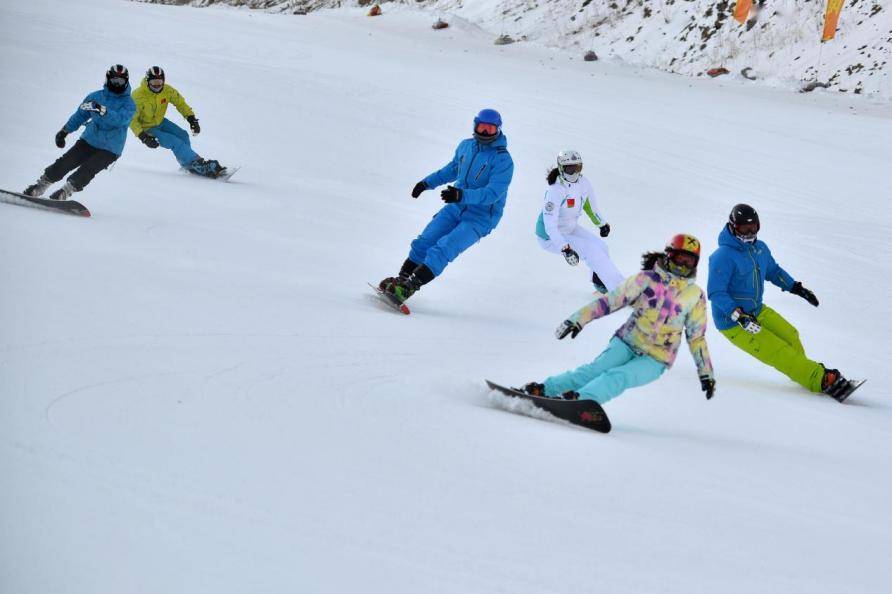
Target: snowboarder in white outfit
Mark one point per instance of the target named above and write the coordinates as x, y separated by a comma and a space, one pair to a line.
569, 194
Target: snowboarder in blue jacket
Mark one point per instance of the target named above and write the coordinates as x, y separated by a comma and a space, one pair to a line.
479, 175
107, 114
738, 270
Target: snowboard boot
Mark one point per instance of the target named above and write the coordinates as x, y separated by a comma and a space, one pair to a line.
835, 385
206, 168
386, 285
535, 389
402, 289
406, 271
39, 187
570, 395
63, 193
599, 285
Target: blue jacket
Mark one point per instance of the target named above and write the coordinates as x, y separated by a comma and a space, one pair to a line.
737, 275
483, 172
108, 132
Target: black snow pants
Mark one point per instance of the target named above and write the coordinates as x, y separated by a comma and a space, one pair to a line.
86, 158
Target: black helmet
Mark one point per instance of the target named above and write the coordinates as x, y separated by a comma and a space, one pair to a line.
116, 79
744, 222
155, 78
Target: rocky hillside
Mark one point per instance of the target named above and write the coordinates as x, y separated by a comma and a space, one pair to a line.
778, 45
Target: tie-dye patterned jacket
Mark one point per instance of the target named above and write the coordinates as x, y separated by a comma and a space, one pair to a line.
664, 306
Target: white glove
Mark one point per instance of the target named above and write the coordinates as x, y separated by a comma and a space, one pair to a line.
93, 106
570, 255
746, 321
567, 327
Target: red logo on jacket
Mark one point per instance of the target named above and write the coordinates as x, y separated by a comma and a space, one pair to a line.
164, 101
571, 202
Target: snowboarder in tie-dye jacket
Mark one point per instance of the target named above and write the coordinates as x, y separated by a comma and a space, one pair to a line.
667, 301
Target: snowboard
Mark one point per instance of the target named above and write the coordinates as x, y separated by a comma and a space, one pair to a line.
585, 413
851, 387
72, 207
391, 301
230, 171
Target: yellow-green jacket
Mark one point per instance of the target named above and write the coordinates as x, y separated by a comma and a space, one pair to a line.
151, 107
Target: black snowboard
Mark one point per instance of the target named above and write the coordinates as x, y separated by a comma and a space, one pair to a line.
65, 206
850, 387
585, 413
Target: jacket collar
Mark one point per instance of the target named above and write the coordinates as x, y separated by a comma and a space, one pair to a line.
500, 142
126, 92
728, 239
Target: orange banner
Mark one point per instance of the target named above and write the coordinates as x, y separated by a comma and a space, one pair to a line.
742, 10
831, 18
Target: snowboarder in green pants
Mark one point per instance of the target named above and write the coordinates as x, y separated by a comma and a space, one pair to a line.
738, 270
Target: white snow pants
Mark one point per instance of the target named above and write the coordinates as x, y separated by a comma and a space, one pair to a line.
593, 251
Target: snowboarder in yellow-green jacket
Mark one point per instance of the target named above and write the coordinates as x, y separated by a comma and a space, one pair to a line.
149, 124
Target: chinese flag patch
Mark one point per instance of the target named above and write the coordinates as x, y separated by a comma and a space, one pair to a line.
571, 202
164, 101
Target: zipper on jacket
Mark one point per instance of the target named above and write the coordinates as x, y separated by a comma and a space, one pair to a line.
755, 276
479, 173
471, 164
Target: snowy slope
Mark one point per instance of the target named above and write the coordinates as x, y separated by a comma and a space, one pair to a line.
779, 45
199, 397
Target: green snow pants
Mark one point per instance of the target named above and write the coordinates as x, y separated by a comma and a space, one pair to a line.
778, 345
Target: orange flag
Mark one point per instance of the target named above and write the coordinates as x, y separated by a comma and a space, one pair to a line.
742, 10
831, 18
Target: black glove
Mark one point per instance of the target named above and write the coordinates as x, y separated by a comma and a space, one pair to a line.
418, 189
93, 106
798, 289
193, 123
567, 327
148, 140
570, 256
746, 321
605, 230
707, 384
60, 138
451, 194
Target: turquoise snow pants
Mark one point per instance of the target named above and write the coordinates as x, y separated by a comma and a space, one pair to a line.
614, 371
172, 137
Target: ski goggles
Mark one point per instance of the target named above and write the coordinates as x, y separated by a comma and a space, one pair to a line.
681, 263
486, 129
746, 229
156, 84
684, 258
118, 81
571, 168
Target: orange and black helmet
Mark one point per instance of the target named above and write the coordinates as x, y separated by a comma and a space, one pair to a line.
683, 255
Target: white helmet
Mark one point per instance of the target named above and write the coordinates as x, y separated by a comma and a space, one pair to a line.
569, 165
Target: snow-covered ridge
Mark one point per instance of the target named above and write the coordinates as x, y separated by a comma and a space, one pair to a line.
780, 44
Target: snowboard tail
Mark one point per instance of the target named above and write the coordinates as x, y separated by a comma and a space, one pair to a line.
72, 207
585, 413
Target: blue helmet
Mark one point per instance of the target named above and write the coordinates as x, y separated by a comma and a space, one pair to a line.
491, 117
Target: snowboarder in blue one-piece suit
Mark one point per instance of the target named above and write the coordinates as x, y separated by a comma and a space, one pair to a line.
481, 170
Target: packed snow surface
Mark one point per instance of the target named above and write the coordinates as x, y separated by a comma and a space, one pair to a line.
197, 394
